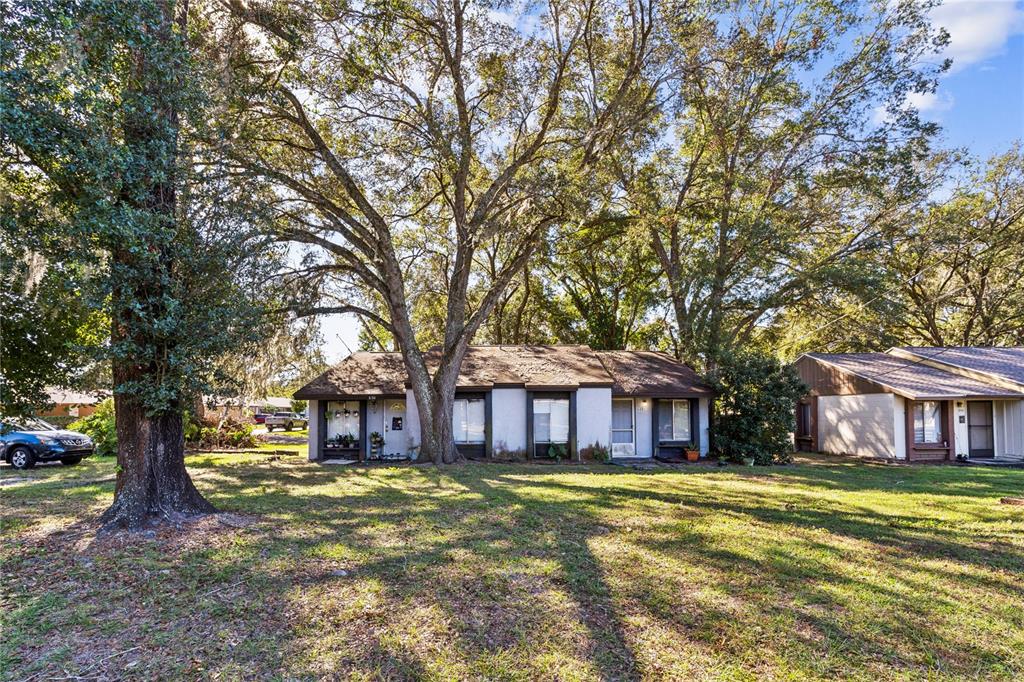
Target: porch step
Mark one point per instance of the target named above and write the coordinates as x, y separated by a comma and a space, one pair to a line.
1012, 462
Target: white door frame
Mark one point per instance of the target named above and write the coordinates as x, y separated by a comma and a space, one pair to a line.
625, 449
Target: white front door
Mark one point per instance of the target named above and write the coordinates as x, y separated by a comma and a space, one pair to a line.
623, 428
394, 428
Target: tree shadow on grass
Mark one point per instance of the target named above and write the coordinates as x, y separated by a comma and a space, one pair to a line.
514, 572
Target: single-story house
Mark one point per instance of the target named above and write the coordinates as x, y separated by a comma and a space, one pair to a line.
914, 403
71, 404
515, 401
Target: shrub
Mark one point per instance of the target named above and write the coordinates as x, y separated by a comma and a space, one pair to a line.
596, 452
556, 452
223, 433
755, 407
101, 427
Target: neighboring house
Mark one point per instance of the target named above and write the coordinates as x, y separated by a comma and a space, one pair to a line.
270, 405
914, 403
71, 404
517, 401
242, 409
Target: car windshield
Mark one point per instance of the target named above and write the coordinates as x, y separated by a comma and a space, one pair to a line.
29, 424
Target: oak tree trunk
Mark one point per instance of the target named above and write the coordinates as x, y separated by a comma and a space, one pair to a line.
152, 483
434, 405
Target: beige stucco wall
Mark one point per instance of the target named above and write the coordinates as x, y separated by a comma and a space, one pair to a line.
857, 424
899, 420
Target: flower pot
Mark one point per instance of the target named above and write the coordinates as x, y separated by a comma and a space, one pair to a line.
692, 455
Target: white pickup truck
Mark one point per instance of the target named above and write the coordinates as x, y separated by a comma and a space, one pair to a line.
286, 420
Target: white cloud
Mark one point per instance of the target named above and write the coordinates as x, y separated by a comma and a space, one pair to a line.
930, 101
978, 29
926, 103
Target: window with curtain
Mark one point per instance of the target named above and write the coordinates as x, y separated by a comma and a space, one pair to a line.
468, 417
928, 421
674, 420
551, 420
343, 419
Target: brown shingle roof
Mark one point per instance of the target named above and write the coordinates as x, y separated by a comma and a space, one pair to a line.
1005, 362
635, 372
360, 374
911, 379
651, 373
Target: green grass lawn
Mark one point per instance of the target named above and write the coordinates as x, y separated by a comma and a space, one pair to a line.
829, 569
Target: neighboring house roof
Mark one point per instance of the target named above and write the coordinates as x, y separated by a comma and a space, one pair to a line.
62, 397
652, 373
1006, 363
272, 401
536, 367
912, 379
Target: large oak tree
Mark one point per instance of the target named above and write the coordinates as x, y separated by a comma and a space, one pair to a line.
403, 138
110, 117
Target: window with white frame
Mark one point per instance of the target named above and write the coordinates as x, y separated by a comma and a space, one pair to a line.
674, 421
551, 420
468, 417
928, 421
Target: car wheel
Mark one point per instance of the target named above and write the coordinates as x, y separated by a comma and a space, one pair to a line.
70, 461
269, 428
22, 458
288, 426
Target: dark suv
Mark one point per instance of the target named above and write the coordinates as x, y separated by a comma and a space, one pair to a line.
23, 442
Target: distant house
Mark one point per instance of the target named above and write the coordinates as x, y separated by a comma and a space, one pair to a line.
525, 401
914, 403
242, 409
71, 404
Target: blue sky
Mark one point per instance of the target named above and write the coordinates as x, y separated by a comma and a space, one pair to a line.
979, 102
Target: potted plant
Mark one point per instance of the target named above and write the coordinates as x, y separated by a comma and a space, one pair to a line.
376, 442
692, 455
